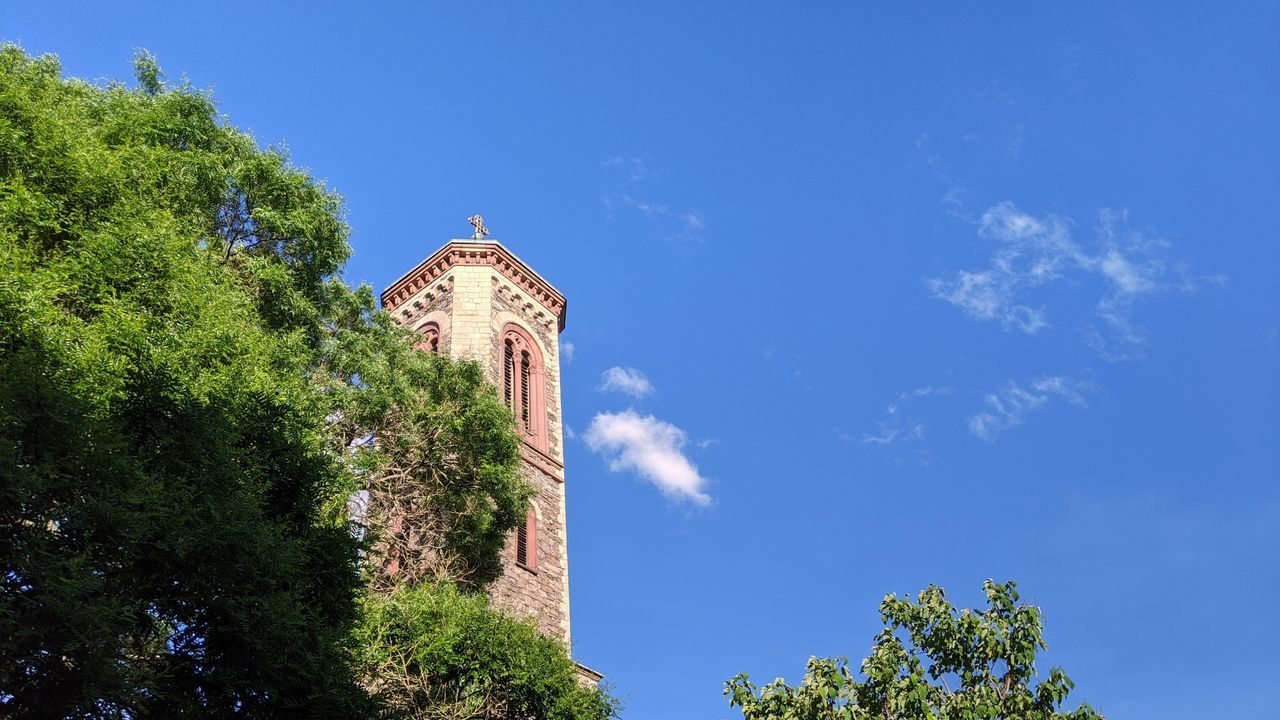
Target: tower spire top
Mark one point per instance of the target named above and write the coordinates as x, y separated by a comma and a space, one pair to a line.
478, 223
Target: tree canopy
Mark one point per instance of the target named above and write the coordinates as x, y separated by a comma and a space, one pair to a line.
436, 653
431, 445
930, 662
164, 452
189, 398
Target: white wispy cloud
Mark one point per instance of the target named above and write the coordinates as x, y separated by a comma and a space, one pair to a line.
1009, 406
693, 221
637, 169
897, 426
1135, 267
625, 380
1032, 252
799, 378
644, 206
1017, 139
651, 448
952, 200
924, 391
567, 350
681, 225
995, 94
676, 224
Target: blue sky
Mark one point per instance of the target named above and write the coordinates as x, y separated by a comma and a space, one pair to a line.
919, 294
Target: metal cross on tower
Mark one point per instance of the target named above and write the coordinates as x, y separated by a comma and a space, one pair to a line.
478, 222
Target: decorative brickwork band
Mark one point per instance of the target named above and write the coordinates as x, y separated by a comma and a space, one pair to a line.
476, 253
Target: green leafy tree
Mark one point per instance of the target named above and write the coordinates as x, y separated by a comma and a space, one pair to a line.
189, 398
931, 661
163, 455
440, 654
433, 448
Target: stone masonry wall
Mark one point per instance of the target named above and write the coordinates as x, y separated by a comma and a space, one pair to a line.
544, 595
431, 304
539, 595
471, 314
509, 304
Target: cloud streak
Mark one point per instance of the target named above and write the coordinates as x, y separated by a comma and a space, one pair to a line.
898, 433
628, 381
636, 168
676, 224
1033, 252
1008, 407
651, 448
896, 427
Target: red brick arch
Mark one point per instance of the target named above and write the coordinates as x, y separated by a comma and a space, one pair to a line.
523, 383
430, 342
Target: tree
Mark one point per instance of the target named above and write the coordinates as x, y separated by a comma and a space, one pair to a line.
433, 448
440, 654
163, 456
931, 661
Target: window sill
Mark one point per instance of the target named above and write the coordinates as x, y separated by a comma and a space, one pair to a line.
526, 568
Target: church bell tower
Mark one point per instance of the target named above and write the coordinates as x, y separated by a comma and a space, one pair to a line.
475, 299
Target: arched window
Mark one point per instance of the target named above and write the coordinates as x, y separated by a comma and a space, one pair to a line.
527, 543
522, 381
430, 341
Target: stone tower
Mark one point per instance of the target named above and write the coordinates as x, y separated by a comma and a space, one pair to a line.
475, 299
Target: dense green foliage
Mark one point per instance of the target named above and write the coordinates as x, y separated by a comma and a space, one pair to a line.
442, 477
163, 451
188, 399
931, 661
442, 654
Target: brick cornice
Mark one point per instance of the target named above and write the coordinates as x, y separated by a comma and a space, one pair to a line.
541, 460
472, 252
588, 676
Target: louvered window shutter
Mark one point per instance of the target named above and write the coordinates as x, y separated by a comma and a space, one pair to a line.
522, 544
524, 391
508, 371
